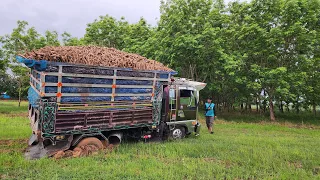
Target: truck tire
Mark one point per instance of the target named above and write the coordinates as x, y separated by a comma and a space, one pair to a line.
178, 133
91, 141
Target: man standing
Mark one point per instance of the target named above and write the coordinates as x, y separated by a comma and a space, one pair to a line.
210, 113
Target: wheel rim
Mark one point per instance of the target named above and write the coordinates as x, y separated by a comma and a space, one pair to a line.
177, 134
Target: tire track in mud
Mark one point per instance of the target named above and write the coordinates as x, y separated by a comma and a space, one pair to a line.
13, 145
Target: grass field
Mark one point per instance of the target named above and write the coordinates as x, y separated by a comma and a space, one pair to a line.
243, 147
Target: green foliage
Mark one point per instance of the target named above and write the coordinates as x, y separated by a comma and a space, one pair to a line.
21, 40
68, 40
258, 52
8, 84
109, 32
22, 79
106, 31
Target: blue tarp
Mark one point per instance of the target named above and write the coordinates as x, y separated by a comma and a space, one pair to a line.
84, 99
84, 80
133, 90
133, 82
132, 98
85, 90
51, 89
33, 97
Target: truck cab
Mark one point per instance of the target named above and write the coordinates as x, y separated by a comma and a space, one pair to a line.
181, 107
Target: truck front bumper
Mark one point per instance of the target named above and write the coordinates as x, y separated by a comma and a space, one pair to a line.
197, 128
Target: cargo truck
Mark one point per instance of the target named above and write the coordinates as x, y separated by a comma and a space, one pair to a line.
72, 105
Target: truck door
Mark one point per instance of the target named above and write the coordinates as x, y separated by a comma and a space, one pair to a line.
187, 106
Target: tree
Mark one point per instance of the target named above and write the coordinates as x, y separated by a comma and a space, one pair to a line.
68, 40
106, 31
136, 37
8, 84
22, 79
3, 63
274, 46
262, 52
19, 41
189, 38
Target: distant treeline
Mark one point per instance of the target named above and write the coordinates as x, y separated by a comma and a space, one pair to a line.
264, 52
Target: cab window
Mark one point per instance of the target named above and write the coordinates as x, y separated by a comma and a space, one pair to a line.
187, 98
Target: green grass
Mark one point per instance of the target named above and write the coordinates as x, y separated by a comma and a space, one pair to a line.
301, 119
10, 107
237, 150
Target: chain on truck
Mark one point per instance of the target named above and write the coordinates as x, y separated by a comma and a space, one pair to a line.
72, 105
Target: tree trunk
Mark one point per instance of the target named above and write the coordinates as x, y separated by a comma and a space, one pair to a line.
19, 93
297, 105
257, 105
218, 102
228, 107
264, 106
297, 108
272, 117
281, 106
314, 108
288, 106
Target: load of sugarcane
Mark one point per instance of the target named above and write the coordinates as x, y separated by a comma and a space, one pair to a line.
95, 55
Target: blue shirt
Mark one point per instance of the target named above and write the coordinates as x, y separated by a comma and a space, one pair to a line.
209, 112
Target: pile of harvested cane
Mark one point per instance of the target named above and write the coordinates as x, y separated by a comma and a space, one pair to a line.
95, 55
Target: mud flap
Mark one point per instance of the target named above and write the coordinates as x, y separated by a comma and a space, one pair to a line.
39, 150
35, 151
33, 140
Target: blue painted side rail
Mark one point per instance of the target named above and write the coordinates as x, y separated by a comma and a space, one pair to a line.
76, 83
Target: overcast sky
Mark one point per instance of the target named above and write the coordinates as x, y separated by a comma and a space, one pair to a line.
73, 15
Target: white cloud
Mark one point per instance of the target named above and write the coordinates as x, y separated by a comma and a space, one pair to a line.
73, 15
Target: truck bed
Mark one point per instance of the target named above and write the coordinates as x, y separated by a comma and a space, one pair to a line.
102, 120
74, 118
79, 98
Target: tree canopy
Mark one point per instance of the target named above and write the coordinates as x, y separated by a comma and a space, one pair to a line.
262, 53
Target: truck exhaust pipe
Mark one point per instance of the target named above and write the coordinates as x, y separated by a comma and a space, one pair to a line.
115, 138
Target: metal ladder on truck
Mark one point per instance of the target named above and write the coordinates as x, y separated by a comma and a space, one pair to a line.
173, 106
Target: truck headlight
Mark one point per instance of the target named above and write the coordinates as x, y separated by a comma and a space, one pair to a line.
59, 137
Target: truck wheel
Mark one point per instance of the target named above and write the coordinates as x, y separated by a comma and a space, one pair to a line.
178, 133
91, 141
